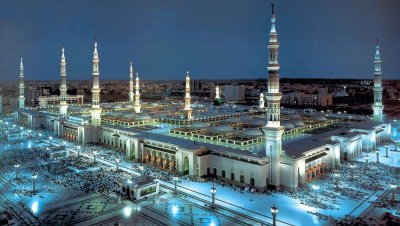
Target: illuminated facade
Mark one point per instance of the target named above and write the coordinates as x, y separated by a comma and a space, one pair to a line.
131, 84
63, 87
378, 105
96, 110
273, 130
21, 97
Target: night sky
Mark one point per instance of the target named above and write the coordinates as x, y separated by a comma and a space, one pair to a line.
221, 39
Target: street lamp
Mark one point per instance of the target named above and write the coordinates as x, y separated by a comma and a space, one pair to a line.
315, 187
366, 158
387, 150
16, 170
79, 151
94, 156
377, 155
393, 186
274, 211
34, 175
213, 191
141, 168
51, 139
117, 161
175, 178
337, 175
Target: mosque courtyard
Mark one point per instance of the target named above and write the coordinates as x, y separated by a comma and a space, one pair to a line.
79, 190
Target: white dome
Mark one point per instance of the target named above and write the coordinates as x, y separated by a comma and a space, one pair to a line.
232, 120
257, 122
287, 125
253, 132
294, 116
143, 117
297, 122
199, 124
223, 128
129, 115
319, 117
245, 118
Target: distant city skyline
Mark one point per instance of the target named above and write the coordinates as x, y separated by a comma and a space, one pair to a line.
214, 39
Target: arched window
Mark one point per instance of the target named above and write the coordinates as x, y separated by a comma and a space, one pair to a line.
232, 176
241, 179
223, 173
252, 182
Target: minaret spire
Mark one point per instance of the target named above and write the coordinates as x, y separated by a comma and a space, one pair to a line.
261, 102
378, 105
96, 110
137, 95
21, 97
131, 84
273, 130
63, 87
217, 95
187, 109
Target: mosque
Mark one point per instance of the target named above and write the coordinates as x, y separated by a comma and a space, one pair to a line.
265, 146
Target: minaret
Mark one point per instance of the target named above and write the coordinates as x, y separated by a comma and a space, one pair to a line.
261, 102
96, 110
137, 95
187, 109
63, 87
217, 97
377, 106
131, 84
273, 130
21, 97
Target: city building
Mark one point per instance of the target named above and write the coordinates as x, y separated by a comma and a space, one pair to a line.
45, 101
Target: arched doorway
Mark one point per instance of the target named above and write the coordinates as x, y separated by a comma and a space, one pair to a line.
252, 182
186, 165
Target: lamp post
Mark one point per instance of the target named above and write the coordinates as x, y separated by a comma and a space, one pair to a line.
34, 175
213, 191
366, 158
79, 151
337, 175
352, 166
51, 139
16, 171
274, 211
117, 161
175, 178
377, 155
141, 168
315, 187
393, 186
387, 150
94, 156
